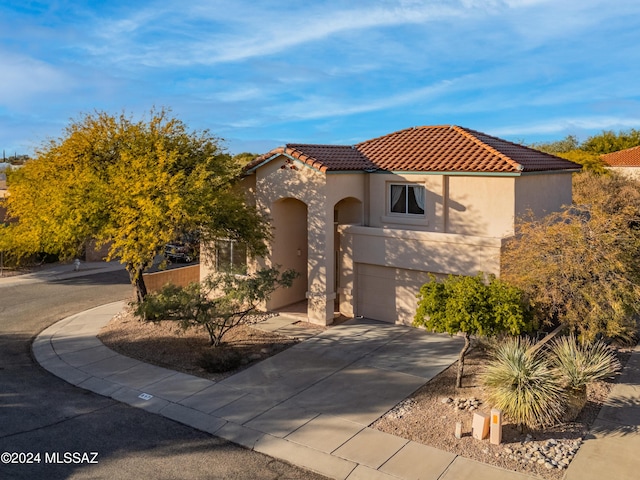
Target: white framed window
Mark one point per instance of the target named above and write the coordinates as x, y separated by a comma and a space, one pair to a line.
406, 199
230, 256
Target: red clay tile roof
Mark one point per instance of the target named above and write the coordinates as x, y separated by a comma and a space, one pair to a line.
629, 157
425, 149
323, 157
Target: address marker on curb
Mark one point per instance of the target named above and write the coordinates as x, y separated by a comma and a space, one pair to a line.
145, 396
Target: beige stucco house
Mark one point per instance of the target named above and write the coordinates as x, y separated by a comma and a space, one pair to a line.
366, 224
625, 162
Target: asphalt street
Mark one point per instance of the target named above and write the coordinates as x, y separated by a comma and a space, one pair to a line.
69, 433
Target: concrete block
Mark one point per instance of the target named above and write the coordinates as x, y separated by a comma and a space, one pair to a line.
480, 426
496, 427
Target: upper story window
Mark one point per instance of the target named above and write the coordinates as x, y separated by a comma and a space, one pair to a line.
407, 199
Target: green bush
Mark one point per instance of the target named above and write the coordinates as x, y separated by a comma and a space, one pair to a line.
524, 385
580, 363
480, 305
541, 387
218, 304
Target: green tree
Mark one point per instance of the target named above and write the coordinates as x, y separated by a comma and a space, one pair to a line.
609, 141
567, 144
579, 266
471, 306
245, 157
569, 148
220, 303
134, 185
588, 153
590, 162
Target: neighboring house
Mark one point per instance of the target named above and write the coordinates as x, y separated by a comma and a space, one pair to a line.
626, 162
366, 224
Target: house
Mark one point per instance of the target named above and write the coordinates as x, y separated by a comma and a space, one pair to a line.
365, 224
625, 162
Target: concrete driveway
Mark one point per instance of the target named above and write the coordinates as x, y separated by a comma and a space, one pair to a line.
309, 405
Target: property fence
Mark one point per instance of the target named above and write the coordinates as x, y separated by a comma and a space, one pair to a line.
180, 277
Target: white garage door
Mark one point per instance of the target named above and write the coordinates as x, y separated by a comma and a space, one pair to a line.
388, 294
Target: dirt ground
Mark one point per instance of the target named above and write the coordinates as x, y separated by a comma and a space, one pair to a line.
165, 344
423, 417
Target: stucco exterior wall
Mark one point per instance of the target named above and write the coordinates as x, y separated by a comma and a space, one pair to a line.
425, 251
345, 185
542, 194
479, 205
629, 172
459, 204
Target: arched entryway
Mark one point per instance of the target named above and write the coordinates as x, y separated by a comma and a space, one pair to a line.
348, 211
289, 249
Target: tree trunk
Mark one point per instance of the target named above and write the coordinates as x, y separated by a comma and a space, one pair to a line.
463, 352
576, 400
137, 280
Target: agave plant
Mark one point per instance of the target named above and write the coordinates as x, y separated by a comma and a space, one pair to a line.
580, 363
524, 385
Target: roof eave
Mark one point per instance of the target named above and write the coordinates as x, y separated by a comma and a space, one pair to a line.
264, 162
555, 171
317, 166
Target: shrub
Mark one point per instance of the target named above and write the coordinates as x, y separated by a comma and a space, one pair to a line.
218, 304
580, 363
524, 385
472, 306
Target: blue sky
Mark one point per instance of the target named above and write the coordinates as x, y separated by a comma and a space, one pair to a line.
263, 73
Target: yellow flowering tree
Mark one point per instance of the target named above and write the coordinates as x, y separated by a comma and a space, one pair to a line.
134, 185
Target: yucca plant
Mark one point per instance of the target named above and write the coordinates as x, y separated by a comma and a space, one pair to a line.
524, 385
580, 363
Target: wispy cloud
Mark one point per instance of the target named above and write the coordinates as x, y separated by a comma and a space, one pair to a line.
319, 107
312, 28
326, 70
255, 33
561, 125
24, 77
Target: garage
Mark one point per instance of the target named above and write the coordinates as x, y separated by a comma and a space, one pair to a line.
387, 293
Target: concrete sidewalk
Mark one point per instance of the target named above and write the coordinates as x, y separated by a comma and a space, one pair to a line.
311, 404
